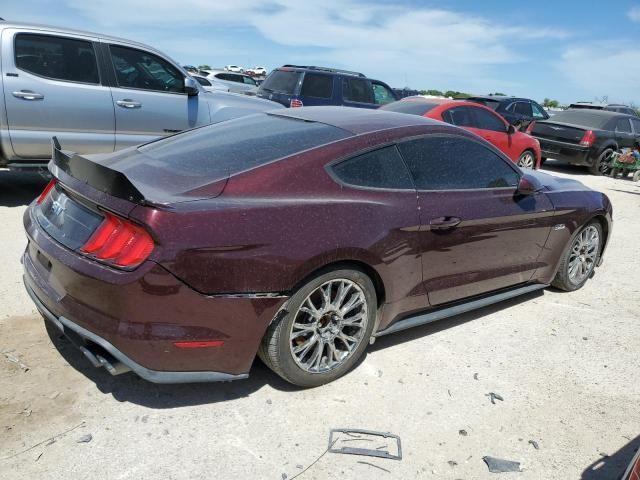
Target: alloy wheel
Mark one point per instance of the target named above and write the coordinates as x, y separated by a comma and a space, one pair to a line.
584, 252
329, 326
526, 160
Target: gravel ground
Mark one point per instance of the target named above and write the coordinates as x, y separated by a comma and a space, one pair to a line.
566, 366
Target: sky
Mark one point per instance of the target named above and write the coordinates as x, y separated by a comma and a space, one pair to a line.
563, 49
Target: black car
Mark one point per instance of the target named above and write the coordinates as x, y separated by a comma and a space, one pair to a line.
586, 137
610, 107
298, 86
518, 112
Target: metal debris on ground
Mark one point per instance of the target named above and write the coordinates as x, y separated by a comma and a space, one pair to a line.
314, 462
393, 449
475, 376
534, 444
499, 465
494, 397
372, 465
452, 463
85, 438
462, 432
45, 441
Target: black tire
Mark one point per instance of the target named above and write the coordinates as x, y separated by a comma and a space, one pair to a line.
602, 164
563, 279
276, 347
542, 160
614, 172
636, 176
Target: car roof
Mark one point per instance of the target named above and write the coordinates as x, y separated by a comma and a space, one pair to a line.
355, 120
596, 113
327, 70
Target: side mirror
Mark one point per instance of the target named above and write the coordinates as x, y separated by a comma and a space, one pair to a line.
511, 129
528, 185
191, 87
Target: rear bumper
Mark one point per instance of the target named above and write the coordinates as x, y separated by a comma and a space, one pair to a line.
565, 152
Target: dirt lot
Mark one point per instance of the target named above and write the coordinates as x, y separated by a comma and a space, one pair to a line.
566, 366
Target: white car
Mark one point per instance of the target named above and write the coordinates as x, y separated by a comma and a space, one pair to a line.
234, 68
259, 71
210, 86
235, 82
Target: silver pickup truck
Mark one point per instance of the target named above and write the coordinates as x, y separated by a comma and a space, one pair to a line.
96, 94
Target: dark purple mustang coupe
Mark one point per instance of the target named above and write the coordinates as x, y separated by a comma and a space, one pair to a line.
299, 235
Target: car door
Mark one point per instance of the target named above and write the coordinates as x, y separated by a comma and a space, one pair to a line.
477, 235
357, 92
149, 97
495, 130
53, 86
624, 134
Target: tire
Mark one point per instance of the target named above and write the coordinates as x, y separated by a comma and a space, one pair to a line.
318, 326
542, 160
571, 275
614, 172
602, 164
636, 176
527, 160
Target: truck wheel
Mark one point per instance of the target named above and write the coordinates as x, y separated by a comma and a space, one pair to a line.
603, 164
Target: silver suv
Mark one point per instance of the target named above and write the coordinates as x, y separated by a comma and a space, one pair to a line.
96, 93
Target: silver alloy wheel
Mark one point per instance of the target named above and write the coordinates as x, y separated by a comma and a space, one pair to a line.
584, 251
527, 160
329, 326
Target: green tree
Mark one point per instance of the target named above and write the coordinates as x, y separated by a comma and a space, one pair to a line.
456, 94
204, 67
435, 93
548, 103
498, 94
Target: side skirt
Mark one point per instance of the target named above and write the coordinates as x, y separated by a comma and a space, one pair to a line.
433, 316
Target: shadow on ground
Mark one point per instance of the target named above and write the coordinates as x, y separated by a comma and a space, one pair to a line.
20, 188
612, 466
553, 166
130, 388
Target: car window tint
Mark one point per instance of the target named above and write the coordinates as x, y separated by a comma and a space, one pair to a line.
202, 81
317, 85
455, 163
538, 112
636, 125
143, 70
460, 116
413, 107
523, 108
382, 95
281, 81
623, 125
249, 80
382, 168
58, 58
357, 90
488, 121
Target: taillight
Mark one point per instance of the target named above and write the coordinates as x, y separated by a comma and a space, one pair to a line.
47, 189
295, 103
530, 128
119, 242
588, 138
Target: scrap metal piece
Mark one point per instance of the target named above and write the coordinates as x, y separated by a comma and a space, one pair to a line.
352, 432
499, 465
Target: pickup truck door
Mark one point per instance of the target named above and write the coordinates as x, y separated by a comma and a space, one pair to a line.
53, 86
149, 97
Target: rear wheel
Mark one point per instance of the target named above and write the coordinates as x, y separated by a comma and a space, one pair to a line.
580, 259
527, 160
325, 330
603, 163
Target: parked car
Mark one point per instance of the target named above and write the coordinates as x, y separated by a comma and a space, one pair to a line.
182, 258
235, 82
190, 69
610, 107
95, 93
297, 86
633, 470
586, 137
210, 86
519, 112
257, 71
521, 148
234, 68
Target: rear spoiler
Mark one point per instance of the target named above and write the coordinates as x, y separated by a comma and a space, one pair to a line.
93, 174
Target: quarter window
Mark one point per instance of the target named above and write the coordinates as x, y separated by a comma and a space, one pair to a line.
523, 108
538, 112
488, 121
357, 90
455, 163
460, 116
317, 85
58, 58
382, 168
143, 70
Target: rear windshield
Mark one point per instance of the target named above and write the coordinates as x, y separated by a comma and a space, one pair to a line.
409, 106
494, 104
281, 81
582, 118
216, 151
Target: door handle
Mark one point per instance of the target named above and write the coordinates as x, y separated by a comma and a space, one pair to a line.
128, 103
28, 95
444, 223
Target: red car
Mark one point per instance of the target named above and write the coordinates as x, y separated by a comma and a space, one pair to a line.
522, 149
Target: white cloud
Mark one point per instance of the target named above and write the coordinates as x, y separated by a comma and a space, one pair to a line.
634, 14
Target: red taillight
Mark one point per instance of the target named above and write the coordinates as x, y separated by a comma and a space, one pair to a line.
47, 189
295, 103
119, 242
588, 138
530, 128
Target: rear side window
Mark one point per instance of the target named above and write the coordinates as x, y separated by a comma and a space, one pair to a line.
212, 152
412, 107
488, 121
143, 70
636, 125
382, 168
281, 81
455, 163
357, 90
203, 81
317, 85
523, 108
58, 58
622, 125
460, 116
538, 111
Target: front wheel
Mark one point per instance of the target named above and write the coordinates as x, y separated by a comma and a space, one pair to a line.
527, 160
580, 259
326, 329
603, 163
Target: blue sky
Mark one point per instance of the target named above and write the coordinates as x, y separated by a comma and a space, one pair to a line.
567, 50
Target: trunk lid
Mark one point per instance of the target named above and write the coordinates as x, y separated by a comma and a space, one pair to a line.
559, 131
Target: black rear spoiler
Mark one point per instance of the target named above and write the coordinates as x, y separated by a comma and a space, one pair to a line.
97, 176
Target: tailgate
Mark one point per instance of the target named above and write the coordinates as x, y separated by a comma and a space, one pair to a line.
558, 131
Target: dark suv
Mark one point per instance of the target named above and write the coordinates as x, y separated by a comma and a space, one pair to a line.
611, 107
297, 86
519, 112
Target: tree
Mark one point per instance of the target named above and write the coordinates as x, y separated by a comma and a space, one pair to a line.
548, 103
456, 94
498, 94
204, 67
435, 93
